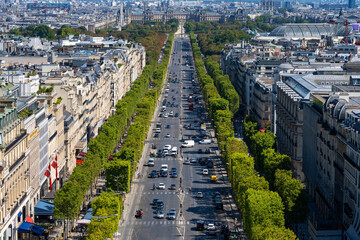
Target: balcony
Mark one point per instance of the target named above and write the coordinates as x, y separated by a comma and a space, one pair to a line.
18, 204
16, 141
19, 160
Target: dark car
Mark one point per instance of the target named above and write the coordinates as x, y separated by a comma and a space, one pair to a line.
176, 114
164, 173
168, 126
156, 135
153, 146
173, 186
174, 174
161, 115
160, 153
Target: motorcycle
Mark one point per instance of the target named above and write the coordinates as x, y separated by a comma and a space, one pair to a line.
139, 213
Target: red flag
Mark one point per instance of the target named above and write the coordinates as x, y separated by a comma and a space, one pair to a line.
47, 173
54, 164
56, 158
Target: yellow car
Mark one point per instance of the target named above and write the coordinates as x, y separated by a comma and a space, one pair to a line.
213, 178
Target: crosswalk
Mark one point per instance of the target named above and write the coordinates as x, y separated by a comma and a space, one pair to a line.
175, 192
161, 222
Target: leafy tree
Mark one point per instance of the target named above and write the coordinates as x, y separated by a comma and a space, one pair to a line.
270, 161
261, 141
118, 175
288, 188
263, 208
272, 233
67, 201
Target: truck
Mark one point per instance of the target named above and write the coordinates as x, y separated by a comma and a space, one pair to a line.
188, 144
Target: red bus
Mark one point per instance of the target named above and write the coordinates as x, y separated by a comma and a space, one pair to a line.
191, 106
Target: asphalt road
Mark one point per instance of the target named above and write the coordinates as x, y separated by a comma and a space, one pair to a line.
142, 193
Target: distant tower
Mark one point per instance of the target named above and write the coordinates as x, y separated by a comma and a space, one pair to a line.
352, 4
120, 16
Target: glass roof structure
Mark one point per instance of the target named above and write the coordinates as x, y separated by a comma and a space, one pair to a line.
303, 30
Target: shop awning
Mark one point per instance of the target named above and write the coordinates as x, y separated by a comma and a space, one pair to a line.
25, 227
44, 208
36, 229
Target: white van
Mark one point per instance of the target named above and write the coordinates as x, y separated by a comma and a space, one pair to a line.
205, 141
164, 167
174, 151
188, 144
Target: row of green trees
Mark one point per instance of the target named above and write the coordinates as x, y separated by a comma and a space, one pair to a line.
120, 171
275, 167
218, 107
212, 36
71, 196
263, 209
223, 84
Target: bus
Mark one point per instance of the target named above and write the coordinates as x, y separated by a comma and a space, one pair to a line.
191, 106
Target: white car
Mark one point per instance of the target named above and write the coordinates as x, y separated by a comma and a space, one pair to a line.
193, 160
205, 172
167, 147
211, 228
161, 186
151, 162
166, 115
167, 135
187, 162
158, 130
166, 152
199, 195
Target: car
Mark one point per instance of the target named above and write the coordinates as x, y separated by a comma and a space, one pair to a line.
176, 114
193, 160
160, 153
166, 152
187, 162
199, 195
167, 147
158, 130
164, 173
200, 150
173, 186
205, 171
168, 126
172, 216
152, 175
153, 146
172, 210
166, 115
161, 186
159, 209
171, 114
159, 203
151, 162
160, 215
174, 175
154, 202
173, 169
211, 229
156, 135
161, 115
167, 135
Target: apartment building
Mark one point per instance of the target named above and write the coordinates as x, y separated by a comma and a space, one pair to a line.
15, 187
